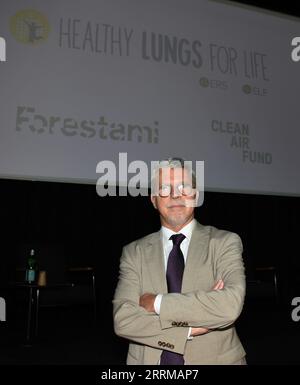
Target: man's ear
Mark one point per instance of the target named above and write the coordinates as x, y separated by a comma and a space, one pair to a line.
153, 200
193, 202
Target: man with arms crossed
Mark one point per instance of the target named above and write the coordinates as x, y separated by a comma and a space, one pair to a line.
181, 289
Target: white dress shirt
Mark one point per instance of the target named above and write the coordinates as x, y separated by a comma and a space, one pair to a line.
167, 247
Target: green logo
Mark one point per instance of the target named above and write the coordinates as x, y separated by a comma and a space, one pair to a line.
29, 27
246, 89
204, 82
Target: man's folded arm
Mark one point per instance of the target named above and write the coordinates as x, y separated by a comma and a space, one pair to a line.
133, 322
216, 308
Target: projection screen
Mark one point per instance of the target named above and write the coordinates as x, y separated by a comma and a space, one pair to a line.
86, 80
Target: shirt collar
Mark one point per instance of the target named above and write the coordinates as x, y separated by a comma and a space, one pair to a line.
186, 230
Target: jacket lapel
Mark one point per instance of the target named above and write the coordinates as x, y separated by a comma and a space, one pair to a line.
198, 249
154, 257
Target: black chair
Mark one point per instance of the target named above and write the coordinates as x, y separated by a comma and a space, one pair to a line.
83, 291
263, 284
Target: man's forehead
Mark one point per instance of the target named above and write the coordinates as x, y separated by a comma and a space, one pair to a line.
179, 174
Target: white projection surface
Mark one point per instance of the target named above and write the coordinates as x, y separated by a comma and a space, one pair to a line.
86, 80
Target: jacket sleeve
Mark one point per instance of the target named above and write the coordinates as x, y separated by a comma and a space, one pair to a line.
132, 321
216, 308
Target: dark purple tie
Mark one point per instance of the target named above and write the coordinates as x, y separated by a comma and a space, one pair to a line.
175, 269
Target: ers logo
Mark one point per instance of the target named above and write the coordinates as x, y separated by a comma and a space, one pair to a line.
296, 51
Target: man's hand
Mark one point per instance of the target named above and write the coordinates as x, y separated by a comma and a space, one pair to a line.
219, 285
147, 302
198, 331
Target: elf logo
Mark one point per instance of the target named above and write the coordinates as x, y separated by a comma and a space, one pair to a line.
2, 309
2, 49
296, 51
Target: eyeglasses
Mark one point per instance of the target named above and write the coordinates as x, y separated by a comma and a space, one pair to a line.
181, 189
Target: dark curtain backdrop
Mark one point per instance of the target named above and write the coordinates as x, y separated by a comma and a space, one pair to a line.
89, 230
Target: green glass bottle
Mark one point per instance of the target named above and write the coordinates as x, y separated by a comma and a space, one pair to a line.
31, 268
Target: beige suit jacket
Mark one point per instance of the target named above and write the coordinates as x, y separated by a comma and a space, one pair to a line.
213, 254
